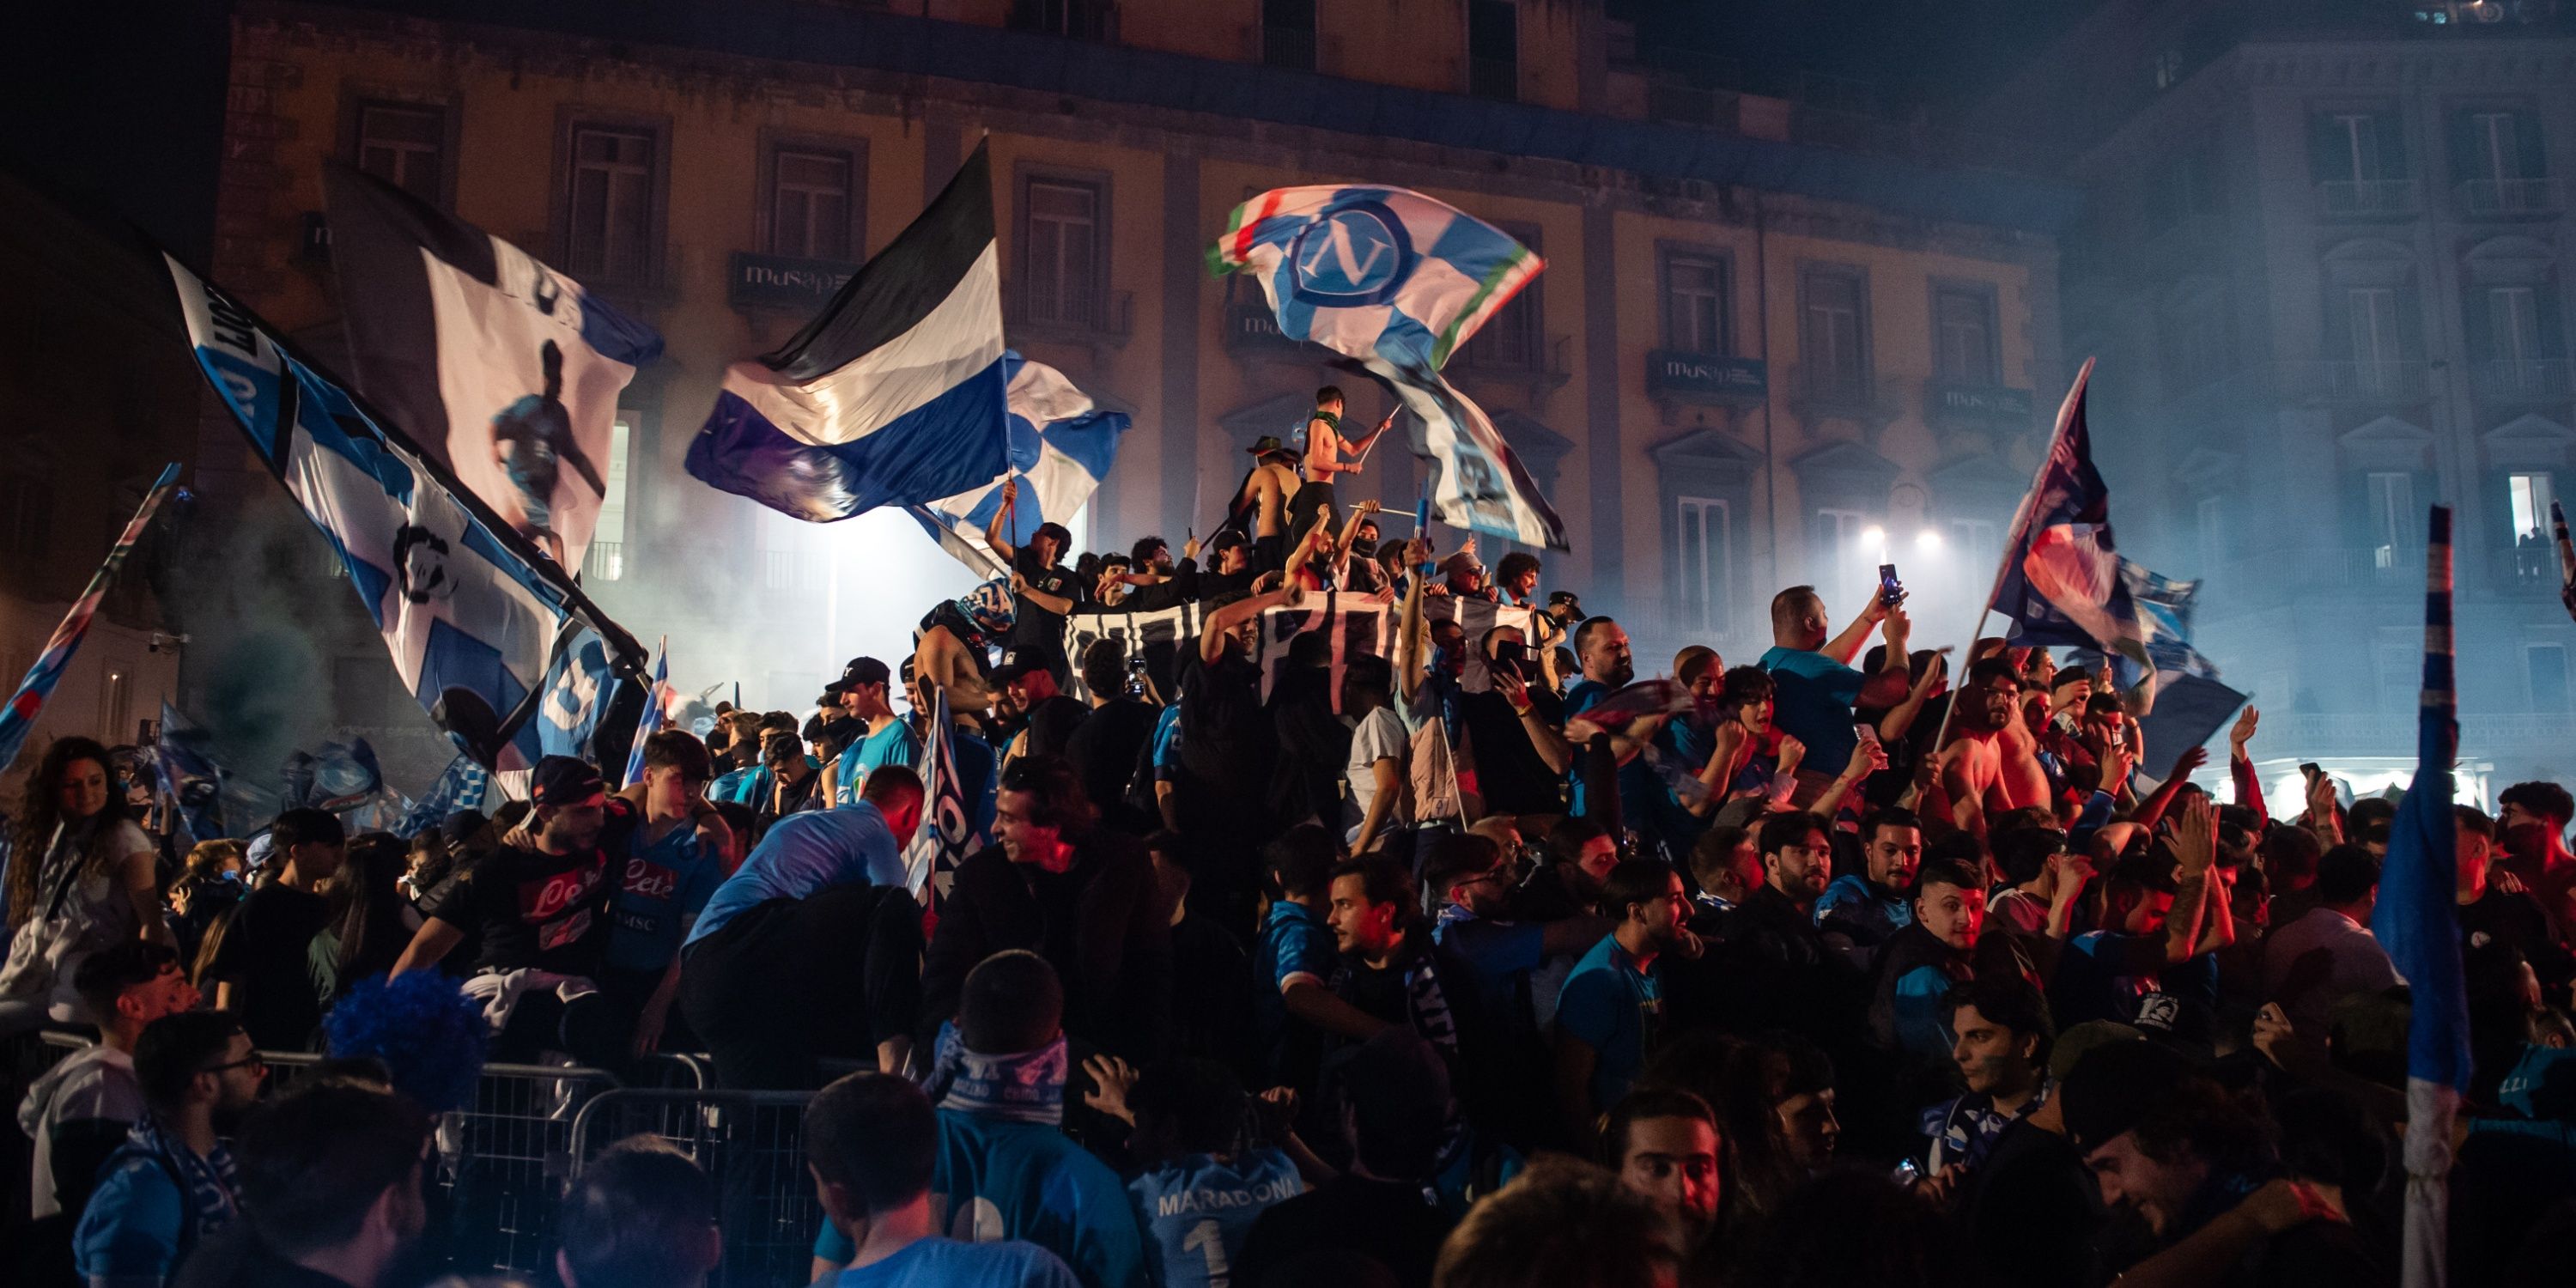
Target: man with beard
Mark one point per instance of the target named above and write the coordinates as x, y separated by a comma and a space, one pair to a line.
1611, 1014
1871, 907
1782, 973
1972, 768
2532, 831
541, 903
1601, 647
172, 1183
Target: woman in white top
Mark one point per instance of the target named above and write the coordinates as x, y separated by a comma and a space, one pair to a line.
80, 878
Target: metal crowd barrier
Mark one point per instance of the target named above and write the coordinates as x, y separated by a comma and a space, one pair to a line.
504, 1160
751, 1144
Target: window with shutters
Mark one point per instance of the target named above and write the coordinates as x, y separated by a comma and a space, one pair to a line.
2393, 518
1696, 292
1494, 49
405, 144
1288, 34
814, 200
2499, 162
1834, 334
1701, 566
610, 233
1963, 325
2358, 157
1060, 231
1513, 338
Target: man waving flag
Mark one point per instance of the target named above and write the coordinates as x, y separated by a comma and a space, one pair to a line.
2062, 581
1397, 281
1062, 446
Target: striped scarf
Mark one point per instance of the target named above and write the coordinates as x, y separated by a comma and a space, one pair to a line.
1025, 1086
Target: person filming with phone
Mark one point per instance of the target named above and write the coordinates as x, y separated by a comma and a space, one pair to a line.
1814, 687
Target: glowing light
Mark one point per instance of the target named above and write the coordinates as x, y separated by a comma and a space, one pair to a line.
1927, 541
1873, 535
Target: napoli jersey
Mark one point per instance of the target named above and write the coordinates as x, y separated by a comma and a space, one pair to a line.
1198, 1209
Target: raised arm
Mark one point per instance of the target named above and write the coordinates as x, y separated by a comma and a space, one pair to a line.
2240, 767
2154, 809
997, 532
1222, 623
1846, 646
1412, 654
1545, 739
1893, 681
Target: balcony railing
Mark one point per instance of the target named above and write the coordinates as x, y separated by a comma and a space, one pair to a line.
2528, 567
2369, 198
2357, 382
2522, 379
2511, 198
604, 561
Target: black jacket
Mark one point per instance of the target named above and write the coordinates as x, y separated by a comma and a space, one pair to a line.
1102, 924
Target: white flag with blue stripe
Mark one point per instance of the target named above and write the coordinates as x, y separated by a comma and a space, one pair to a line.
894, 395
1062, 446
475, 618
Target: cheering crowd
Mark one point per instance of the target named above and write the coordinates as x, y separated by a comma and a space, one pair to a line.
1478, 962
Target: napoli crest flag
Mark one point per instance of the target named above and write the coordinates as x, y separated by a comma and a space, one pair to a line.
1396, 281
894, 395
502, 370
2063, 582
472, 614
1369, 271
1062, 446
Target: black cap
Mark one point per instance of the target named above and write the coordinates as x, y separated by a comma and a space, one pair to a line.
1565, 597
1013, 667
562, 780
2115, 1087
861, 670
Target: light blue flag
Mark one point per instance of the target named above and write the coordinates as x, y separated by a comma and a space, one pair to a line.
1062, 446
474, 617
580, 682
656, 700
462, 787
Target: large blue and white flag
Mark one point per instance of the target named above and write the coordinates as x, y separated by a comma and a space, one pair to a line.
2063, 583
1062, 446
894, 395
464, 786
340, 777
501, 370
189, 778
473, 615
581, 681
2417, 921
1371, 271
1397, 281
656, 703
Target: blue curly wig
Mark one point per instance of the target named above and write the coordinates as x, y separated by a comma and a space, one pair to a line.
425, 1029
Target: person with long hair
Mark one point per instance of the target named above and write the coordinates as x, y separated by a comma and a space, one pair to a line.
209, 885
83, 879
370, 920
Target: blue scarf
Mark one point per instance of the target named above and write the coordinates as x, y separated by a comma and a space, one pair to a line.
1026, 1087
208, 1183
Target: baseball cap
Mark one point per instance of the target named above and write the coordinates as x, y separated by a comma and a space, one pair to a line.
861, 670
1566, 598
563, 780
2116, 1086
1013, 667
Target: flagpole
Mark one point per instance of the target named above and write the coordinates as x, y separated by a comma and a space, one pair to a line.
2011, 545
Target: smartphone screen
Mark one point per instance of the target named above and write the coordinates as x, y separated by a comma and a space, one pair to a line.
1890, 590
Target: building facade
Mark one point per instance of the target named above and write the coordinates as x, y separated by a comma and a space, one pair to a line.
1752, 361
2320, 266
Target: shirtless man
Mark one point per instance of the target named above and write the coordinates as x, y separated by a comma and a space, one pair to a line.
1266, 494
1973, 770
1325, 450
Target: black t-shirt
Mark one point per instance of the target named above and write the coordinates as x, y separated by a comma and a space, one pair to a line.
1225, 735
1104, 750
1051, 725
2027, 1216
547, 911
264, 952
1035, 627
1508, 770
1387, 1221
